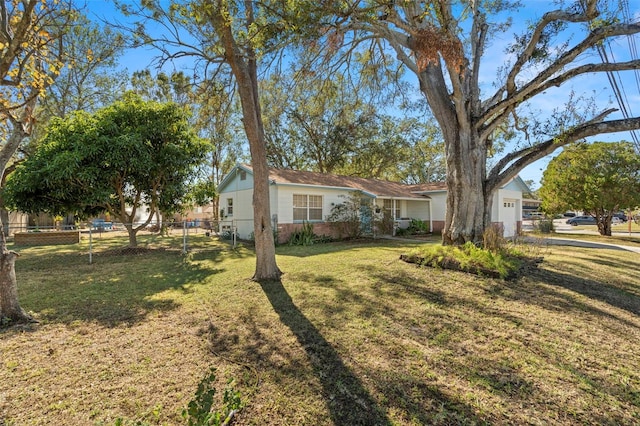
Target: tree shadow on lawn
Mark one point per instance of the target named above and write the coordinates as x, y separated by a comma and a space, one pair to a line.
499, 373
116, 291
350, 245
440, 331
348, 401
415, 396
595, 290
623, 296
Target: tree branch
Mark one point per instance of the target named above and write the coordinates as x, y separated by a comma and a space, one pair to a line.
516, 161
534, 86
547, 19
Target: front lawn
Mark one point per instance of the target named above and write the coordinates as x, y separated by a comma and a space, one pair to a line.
351, 335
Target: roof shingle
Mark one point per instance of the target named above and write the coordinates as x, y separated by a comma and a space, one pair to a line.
380, 188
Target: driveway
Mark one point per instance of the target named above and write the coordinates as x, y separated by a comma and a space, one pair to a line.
559, 241
561, 227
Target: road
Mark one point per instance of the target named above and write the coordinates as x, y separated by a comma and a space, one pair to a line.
560, 226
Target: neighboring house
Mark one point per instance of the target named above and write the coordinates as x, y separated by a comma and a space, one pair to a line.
297, 197
530, 205
198, 216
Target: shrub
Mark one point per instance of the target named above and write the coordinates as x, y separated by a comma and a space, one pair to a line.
303, 236
544, 226
492, 238
352, 217
468, 258
416, 227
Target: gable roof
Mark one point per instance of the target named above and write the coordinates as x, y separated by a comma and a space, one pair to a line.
373, 187
520, 184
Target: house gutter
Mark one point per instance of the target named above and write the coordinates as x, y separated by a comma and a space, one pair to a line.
342, 188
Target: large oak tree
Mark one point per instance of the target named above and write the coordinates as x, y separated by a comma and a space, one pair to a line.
445, 43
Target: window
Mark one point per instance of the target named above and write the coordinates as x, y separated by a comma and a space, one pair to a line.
307, 207
243, 175
388, 209
229, 206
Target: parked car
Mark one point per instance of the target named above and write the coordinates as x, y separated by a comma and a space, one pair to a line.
621, 215
569, 214
535, 215
582, 220
101, 225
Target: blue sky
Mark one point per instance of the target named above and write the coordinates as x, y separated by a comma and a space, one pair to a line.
594, 84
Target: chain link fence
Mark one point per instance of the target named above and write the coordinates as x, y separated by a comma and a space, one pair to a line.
103, 238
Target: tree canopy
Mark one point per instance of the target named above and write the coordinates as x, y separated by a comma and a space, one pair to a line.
323, 125
598, 178
127, 157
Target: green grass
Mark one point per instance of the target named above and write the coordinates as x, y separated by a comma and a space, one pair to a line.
350, 335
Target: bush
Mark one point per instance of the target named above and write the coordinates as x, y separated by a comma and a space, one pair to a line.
493, 239
468, 258
544, 226
416, 227
303, 236
352, 216
200, 410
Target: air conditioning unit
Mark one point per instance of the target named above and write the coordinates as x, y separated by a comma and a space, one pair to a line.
403, 222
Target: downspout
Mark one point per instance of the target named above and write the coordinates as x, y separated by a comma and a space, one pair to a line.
274, 215
394, 217
430, 217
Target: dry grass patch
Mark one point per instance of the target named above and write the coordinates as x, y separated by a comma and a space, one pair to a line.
351, 335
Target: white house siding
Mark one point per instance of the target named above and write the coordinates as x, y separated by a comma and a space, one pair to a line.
330, 197
241, 192
438, 210
242, 216
283, 202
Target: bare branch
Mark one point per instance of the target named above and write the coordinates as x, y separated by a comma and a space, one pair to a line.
547, 19
515, 161
534, 86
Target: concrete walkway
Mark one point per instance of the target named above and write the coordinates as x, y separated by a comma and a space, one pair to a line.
579, 243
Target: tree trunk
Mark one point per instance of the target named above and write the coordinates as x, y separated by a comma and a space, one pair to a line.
9, 306
244, 68
468, 205
604, 226
133, 241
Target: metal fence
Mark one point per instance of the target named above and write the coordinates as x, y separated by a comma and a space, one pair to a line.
99, 238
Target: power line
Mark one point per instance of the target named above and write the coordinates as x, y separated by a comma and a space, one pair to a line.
614, 78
